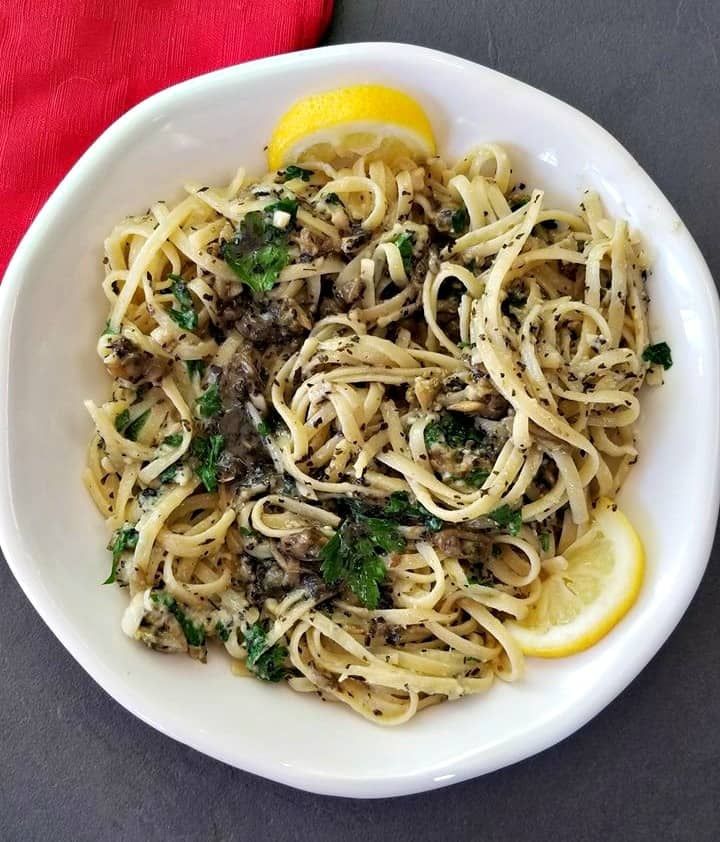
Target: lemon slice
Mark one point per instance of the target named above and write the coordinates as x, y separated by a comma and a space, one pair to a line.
580, 605
367, 120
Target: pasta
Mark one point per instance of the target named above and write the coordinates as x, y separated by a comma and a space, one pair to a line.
359, 410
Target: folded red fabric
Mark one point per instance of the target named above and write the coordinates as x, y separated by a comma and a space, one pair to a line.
68, 68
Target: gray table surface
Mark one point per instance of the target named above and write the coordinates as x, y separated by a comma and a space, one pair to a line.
75, 766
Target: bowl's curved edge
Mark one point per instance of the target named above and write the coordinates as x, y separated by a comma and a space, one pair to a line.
470, 764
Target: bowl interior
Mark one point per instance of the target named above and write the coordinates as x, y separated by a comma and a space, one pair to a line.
53, 310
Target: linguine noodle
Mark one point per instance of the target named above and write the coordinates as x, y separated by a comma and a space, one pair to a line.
441, 374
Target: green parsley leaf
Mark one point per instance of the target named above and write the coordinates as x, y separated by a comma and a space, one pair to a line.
507, 518
108, 331
194, 634
162, 598
255, 641
460, 221
404, 241
258, 252
175, 440
132, 430
287, 205
222, 631
207, 449
248, 533
455, 429
180, 291
433, 523
545, 541
476, 479
354, 555
263, 429
433, 434
399, 507
195, 367
185, 317
125, 538
398, 503
209, 403
658, 354
383, 534
294, 172
122, 419
168, 475
265, 662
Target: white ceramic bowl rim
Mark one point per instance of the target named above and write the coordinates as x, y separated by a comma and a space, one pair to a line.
470, 762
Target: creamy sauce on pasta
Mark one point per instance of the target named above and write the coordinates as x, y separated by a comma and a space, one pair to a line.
359, 410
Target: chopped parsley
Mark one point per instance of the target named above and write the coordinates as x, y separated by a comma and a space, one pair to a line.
286, 205
248, 533
404, 241
258, 252
168, 475
294, 171
265, 662
125, 538
355, 555
399, 507
476, 479
207, 449
130, 429
658, 354
180, 290
185, 316
508, 518
460, 221
209, 403
455, 429
545, 541
175, 440
263, 429
195, 367
222, 631
186, 319
122, 419
194, 634
108, 331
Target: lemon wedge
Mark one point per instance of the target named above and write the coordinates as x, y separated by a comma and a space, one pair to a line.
382, 123
580, 604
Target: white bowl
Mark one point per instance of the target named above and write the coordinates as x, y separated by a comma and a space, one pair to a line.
52, 309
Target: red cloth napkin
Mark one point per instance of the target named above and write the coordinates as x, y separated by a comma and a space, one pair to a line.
68, 68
